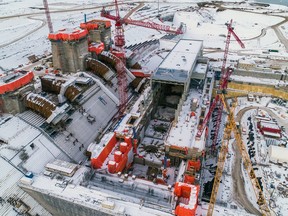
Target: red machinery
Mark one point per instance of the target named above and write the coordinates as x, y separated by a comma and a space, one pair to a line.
225, 74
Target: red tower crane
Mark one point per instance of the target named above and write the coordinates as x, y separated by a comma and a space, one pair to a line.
119, 41
47, 12
225, 75
148, 24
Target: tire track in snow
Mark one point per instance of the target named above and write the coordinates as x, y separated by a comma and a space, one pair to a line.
28, 33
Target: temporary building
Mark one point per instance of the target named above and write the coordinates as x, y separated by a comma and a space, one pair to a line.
278, 154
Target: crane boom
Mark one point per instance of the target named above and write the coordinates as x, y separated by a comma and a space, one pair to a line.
147, 24
225, 75
232, 127
154, 25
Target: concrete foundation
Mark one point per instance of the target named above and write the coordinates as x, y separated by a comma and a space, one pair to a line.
258, 89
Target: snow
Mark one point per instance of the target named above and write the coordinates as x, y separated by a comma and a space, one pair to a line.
36, 43
93, 197
266, 169
256, 80
15, 54
177, 66
98, 148
62, 166
278, 154
19, 137
183, 132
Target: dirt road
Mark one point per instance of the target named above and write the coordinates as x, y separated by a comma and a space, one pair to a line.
238, 184
28, 33
44, 21
279, 34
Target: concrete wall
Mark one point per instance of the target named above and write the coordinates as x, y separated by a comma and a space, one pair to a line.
258, 89
101, 35
12, 103
60, 207
267, 75
68, 56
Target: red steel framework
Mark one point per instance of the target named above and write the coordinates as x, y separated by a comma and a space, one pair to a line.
225, 75
147, 24
119, 41
47, 12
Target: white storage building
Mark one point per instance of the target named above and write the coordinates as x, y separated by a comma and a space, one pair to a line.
278, 154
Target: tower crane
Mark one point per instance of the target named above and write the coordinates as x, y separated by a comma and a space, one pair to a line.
48, 17
232, 127
229, 128
147, 24
225, 74
119, 41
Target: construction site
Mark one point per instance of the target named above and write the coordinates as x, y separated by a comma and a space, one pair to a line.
111, 123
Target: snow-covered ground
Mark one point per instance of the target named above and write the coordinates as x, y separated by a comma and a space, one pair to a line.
272, 175
23, 25
27, 35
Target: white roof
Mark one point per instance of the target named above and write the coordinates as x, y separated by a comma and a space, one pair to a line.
278, 153
86, 197
183, 133
269, 125
99, 147
62, 166
246, 61
177, 66
271, 134
201, 68
111, 162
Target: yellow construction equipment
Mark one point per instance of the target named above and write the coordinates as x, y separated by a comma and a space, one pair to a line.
229, 128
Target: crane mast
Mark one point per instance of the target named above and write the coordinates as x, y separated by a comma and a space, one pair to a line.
48, 17
119, 42
223, 86
232, 127
229, 128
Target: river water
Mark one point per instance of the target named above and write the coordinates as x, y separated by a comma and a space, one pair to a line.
280, 2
